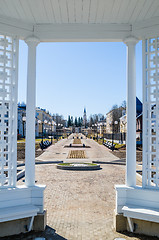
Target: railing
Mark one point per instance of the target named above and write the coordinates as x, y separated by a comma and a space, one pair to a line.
116, 136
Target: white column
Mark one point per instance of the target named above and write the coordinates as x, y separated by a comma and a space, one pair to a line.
32, 42
131, 113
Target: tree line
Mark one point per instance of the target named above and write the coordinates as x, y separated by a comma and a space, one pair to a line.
77, 122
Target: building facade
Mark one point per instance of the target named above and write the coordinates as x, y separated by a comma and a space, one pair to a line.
113, 120
43, 122
45, 125
123, 120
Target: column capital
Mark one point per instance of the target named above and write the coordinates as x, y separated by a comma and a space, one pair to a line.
32, 40
131, 40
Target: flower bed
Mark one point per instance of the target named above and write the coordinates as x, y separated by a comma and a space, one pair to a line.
78, 166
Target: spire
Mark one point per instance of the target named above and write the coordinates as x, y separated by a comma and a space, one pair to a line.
84, 118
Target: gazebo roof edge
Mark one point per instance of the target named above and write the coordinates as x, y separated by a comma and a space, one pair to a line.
74, 32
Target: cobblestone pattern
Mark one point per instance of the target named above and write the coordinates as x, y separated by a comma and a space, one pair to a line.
80, 205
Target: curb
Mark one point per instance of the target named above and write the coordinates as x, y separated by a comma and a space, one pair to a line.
116, 163
36, 163
21, 174
79, 168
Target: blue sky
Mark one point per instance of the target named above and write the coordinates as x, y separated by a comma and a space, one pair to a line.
73, 75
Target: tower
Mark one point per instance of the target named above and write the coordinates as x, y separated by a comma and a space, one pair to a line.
84, 118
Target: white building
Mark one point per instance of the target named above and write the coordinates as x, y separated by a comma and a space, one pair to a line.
44, 123
49, 126
123, 124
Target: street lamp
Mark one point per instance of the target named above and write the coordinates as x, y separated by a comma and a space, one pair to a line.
113, 123
39, 122
62, 130
58, 130
51, 131
24, 120
45, 122
103, 130
92, 131
96, 130
42, 122
54, 129
51, 124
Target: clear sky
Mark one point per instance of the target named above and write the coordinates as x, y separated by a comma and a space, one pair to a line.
71, 76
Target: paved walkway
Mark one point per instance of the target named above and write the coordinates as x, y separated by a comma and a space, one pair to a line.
60, 152
80, 204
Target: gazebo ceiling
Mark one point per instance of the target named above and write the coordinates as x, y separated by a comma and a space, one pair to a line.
80, 20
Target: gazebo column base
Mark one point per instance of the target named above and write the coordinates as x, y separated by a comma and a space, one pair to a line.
40, 221
22, 210
120, 222
137, 210
18, 226
141, 226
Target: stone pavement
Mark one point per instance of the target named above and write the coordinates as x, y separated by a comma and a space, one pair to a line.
60, 152
80, 204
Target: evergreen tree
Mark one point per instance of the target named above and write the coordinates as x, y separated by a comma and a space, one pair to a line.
123, 104
91, 121
79, 122
76, 124
69, 121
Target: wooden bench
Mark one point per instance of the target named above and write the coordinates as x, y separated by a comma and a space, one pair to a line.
140, 212
19, 212
109, 145
45, 144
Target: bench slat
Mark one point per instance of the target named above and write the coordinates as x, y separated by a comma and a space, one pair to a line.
18, 212
140, 212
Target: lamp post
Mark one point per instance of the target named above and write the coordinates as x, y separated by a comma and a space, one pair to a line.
92, 131
50, 132
97, 130
54, 129
103, 130
58, 131
45, 122
61, 129
113, 123
24, 120
40, 122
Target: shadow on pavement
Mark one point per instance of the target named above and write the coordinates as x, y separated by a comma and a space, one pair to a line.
115, 162
48, 234
139, 236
